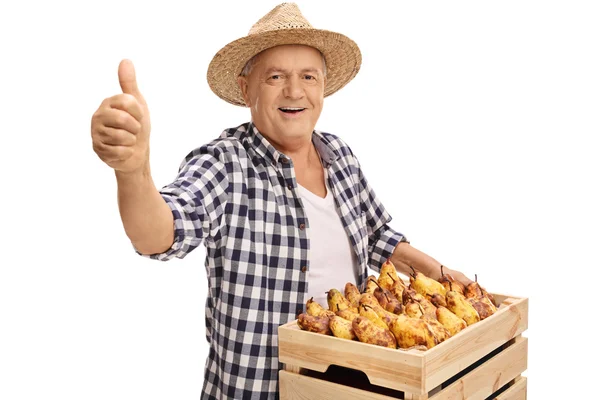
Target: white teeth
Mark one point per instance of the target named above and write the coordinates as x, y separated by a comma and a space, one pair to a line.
292, 108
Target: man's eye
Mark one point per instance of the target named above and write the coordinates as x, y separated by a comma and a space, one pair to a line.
275, 77
309, 77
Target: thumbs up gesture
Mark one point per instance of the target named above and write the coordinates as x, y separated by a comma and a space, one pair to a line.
121, 126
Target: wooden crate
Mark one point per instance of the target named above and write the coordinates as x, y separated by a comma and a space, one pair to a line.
483, 361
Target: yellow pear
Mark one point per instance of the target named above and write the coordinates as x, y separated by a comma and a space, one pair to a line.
387, 275
369, 312
474, 290
425, 285
458, 304
314, 324
447, 279
336, 300
367, 332
451, 321
316, 310
411, 332
371, 284
341, 328
347, 314
352, 293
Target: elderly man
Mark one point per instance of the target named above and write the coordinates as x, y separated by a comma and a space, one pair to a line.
284, 210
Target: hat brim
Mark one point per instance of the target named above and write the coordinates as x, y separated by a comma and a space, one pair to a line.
342, 57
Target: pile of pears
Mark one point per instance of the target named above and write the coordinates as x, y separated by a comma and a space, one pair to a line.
390, 314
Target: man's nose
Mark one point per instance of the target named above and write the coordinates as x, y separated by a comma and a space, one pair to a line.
293, 88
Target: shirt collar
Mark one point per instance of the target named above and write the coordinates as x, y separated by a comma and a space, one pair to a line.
266, 150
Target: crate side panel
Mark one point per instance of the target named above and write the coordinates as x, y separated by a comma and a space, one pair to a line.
390, 368
299, 387
490, 376
462, 350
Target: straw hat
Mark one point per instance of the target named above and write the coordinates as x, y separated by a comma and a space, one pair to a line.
285, 24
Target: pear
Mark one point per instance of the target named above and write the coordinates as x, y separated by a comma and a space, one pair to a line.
341, 328
314, 324
398, 287
387, 300
483, 308
409, 295
428, 307
367, 332
316, 310
411, 332
369, 312
487, 300
347, 314
458, 304
446, 279
369, 299
388, 276
413, 309
438, 300
474, 290
451, 321
425, 285
352, 294
371, 284
439, 330
336, 301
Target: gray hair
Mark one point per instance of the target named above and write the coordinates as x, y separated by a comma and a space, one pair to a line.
251, 62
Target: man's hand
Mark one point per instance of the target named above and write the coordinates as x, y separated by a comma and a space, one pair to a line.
121, 126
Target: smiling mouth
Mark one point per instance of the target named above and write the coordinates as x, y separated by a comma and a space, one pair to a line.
292, 110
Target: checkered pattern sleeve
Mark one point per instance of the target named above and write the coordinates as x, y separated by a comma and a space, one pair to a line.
197, 198
382, 237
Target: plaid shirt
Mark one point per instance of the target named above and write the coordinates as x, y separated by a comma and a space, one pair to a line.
238, 195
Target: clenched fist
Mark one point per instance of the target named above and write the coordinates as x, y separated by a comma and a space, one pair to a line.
121, 125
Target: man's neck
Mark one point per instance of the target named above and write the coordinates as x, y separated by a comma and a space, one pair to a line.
300, 150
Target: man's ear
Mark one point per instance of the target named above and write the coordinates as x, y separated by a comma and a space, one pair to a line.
243, 83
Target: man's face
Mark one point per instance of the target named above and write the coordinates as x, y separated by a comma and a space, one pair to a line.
285, 92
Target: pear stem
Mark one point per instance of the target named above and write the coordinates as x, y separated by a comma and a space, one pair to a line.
390, 275
450, 282
382, 291
414, 272
442, 269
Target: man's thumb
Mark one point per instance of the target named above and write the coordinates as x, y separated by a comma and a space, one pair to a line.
127, 79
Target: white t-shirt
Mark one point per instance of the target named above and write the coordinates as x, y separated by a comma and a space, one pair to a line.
332, 261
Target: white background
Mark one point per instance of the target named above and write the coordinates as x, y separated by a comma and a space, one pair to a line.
474, 121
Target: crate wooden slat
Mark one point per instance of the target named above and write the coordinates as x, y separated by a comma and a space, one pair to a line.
517, 391
299, 387
418, 374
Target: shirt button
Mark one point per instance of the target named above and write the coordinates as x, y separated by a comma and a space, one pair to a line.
301, 227
290, 187
304, 269
284, 160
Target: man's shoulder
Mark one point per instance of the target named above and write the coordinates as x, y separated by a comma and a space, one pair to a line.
335, 143
230, 141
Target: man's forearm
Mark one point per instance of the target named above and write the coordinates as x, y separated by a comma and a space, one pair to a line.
405, 256
147, 218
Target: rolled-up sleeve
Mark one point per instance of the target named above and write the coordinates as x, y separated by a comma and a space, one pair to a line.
382, 238
197, 199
